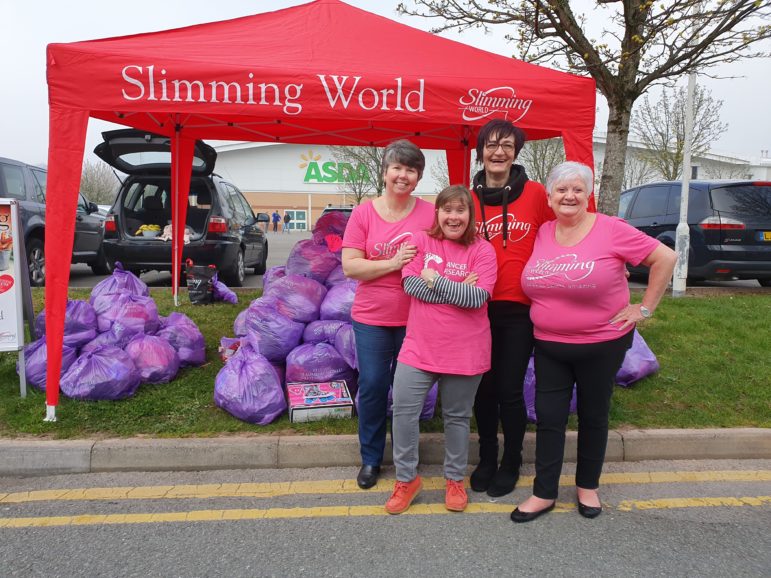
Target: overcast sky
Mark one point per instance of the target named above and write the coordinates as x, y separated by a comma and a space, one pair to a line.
27, 26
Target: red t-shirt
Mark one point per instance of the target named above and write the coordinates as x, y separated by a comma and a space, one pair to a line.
525, 216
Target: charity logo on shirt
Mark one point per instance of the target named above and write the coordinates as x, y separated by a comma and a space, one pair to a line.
517, 230
431, 258
386, 249
565, 266
451, 268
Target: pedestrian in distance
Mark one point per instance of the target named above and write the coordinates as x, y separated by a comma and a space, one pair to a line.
287, 219
509, 210
449, 282
276, 218
583, 324
377, 244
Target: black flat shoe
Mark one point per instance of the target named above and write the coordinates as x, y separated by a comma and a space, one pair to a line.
589, 511
368, 476
482, 476
504, 481
521, 517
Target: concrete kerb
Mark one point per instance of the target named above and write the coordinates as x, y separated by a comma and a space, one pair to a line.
29, 457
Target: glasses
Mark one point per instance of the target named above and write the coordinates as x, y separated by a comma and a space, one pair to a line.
507, 147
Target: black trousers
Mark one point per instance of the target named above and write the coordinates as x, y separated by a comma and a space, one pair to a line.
500, 395
592, 367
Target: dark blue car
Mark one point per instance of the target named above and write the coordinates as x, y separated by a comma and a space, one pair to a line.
729, 222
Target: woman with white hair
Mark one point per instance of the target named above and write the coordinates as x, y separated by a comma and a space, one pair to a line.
583, 325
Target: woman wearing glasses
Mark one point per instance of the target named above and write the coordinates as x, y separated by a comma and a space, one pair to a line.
509, 210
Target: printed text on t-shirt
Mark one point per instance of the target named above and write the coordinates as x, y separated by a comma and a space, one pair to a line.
387, 249
566, 265
517, 230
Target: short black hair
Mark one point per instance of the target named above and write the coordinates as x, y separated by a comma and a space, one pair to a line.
405, 153
501, 128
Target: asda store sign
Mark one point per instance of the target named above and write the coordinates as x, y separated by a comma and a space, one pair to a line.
330, 171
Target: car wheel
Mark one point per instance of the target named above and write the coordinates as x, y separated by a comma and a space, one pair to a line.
237, 274
36, 261
101, 266
263, 266
765, 282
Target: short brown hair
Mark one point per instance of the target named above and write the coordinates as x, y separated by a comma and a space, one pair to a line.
455, 193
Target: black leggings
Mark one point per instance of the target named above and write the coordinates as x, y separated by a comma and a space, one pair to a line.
500, 394
592, 367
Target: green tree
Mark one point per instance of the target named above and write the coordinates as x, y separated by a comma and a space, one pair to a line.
644, 43
660, 126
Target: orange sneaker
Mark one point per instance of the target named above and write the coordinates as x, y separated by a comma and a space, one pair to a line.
404, 493
455, 498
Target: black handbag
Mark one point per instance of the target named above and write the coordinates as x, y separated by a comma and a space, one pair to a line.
200, 282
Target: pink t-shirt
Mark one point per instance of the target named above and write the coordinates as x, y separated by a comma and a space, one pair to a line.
577, 290
382, 301
448, 338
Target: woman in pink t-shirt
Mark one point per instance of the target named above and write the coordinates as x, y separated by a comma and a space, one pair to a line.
583, 325
448, 340
377, 244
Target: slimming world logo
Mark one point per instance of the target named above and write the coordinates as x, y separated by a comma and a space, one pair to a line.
331, 171
478, 104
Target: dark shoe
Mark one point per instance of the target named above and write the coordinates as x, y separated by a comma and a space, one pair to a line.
503, 482
520, 517
589, 511
483, 475
368, 476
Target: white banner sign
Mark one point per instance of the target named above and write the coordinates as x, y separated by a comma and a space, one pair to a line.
11, 313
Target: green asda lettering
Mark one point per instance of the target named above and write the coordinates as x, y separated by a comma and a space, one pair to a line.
332, 172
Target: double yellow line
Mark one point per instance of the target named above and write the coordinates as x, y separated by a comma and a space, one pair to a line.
341, 487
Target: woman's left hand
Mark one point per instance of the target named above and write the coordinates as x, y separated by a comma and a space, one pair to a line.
627, 317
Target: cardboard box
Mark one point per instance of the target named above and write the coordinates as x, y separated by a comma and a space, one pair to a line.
313, 401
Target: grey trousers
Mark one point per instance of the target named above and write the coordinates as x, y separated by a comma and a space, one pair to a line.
457, 393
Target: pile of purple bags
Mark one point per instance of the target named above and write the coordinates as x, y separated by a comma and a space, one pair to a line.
298, 331
116, 341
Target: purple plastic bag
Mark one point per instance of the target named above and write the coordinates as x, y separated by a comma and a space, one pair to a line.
154, 357
336, 277
105, 373
316, 363
185, 337
271, 275
80, 323
639, 362
299, 298
113, 337
276, 333
529, 393
36, 362
429, 404
133, 313
345, 343
338, 302
311, 260
119, 282
222, 292
248, 388
331, 223
322, 330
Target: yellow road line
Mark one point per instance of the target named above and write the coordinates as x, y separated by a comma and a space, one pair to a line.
350, 511
272, 490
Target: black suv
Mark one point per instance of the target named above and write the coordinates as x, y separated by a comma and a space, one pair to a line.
221, 227
729, 221
27, 184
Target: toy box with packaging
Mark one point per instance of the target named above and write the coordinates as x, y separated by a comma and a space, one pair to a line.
313, 401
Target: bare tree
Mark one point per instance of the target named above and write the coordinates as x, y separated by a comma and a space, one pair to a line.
637, 170
440, 172
723, 170
540, 156
645, 43
362, 182
98, 183
660, 126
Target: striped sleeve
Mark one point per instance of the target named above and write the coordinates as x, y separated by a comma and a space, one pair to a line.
460, 294
415, 287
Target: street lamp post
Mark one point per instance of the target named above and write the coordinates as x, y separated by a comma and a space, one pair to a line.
683, 237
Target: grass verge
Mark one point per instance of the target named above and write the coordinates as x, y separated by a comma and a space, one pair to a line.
713, 350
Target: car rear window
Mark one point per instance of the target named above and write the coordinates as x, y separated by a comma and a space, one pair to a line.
743, 200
